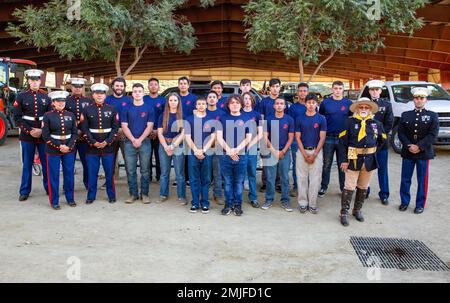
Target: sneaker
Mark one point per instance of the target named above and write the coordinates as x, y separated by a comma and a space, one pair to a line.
205, 210
146, 199
266, 205
56, 207
313, 210
182, 201
303, 209
287, 207
226, 211
194, 209
237, 209
161, 199
293, 192
322, 192
174, 184
254, 204
131, 199
219, 200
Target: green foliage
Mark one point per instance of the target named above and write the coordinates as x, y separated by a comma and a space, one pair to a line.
105, 27
306, 29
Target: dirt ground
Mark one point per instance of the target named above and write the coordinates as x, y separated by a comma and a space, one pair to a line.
166, 243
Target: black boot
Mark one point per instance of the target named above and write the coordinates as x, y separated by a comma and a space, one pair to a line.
359, 201
346, 199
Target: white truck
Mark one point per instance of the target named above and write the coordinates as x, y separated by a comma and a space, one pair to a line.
399, 94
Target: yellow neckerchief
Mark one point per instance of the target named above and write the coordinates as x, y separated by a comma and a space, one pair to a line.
362, 130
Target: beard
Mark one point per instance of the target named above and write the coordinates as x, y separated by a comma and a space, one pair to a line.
118, 92
363, 114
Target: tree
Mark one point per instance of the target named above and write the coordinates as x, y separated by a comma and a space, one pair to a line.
313, 31
105, 28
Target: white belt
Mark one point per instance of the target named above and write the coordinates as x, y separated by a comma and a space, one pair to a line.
32, 118
100, 130
61, 137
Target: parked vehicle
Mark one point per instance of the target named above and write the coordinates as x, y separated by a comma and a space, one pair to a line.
400, 96
12, 82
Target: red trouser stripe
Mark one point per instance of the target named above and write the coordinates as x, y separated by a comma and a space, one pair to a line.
49, 183
426, 184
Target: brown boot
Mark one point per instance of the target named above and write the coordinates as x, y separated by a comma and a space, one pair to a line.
346, 199
359, 201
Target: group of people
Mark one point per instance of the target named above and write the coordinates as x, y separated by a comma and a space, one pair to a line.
214, 141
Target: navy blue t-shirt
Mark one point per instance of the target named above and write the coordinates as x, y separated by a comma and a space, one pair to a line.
310, 128
282, 127
172, 126
265, 107
296, 110
188, 104
336, 112
137, 118
221, 104
157, 104
199, 128
119, 103
253, 120
234, 129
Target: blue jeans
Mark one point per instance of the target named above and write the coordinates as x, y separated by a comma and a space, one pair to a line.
284, 165
132, 154
422, 167
251, 175
329, 148
200, 179
217, 175
294, 149
178, 163
233, 175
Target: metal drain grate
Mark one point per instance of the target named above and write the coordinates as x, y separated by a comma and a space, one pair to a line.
396, 254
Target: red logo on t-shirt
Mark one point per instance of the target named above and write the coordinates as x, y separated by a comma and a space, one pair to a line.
285, 126
16, 104
240, 123
124, 103
343, 108
158, 104
222, 105
218, 118
188, 102
143, 114
207, 126
253, 119
316, 125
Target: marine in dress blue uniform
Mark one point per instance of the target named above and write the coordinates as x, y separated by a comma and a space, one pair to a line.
75, 104
60, 133
100, 124
358, 143
418, 130
29, 109
386, 117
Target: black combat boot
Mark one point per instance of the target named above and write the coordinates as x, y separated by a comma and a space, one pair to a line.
359, 201
346, 199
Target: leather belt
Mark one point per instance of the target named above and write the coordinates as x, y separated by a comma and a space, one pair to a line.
30, 118
100, 130
366, 151
310, 148
58, 137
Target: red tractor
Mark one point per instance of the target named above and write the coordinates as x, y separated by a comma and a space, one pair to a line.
12, 82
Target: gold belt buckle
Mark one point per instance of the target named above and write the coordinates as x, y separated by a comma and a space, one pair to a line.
415, 137
101, 131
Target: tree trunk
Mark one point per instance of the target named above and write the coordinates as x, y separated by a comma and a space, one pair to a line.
117, 63
301, 69
137, 56
320, 65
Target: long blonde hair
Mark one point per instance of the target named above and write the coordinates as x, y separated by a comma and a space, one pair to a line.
166, 114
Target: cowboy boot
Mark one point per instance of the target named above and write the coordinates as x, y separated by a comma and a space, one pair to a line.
359, 201
346, 199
